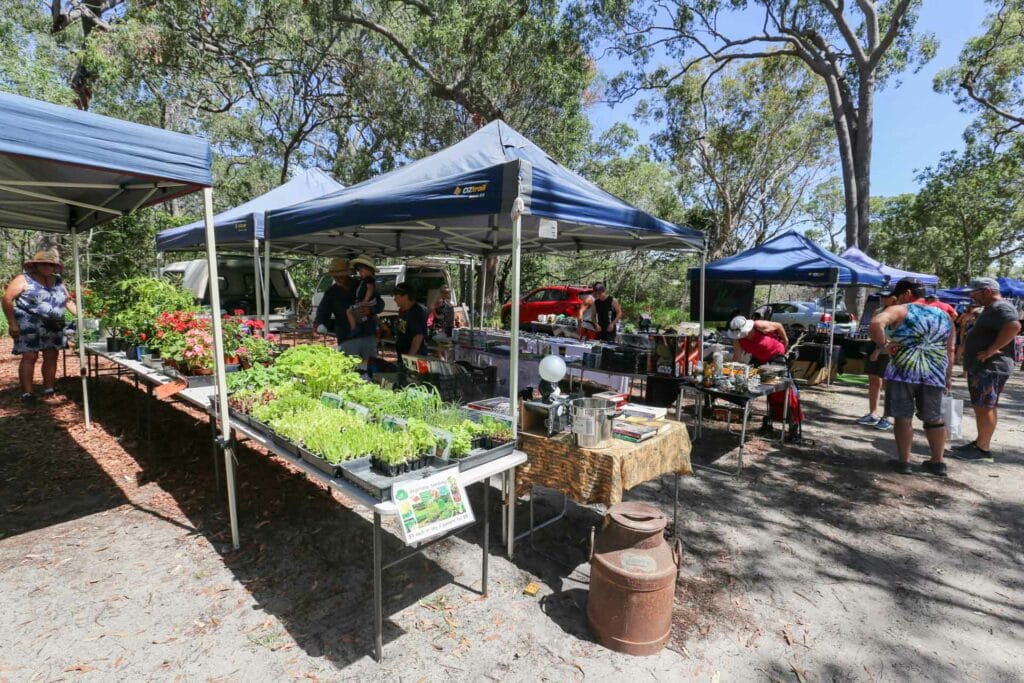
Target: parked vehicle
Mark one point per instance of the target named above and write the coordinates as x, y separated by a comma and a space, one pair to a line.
425, 278
550, 300
238, 285
801, 316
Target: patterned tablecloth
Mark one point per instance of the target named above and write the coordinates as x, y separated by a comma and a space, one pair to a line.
600, 475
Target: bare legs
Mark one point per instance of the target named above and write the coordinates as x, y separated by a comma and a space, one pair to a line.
874, 392
49, 368
904, 432
986, 419
26, 369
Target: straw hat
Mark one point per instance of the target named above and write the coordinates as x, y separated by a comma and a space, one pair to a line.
46, 255
363, 260
339, 266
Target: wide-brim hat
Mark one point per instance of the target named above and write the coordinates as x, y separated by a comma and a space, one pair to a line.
339, 266
740, 327
363, 260
50, 256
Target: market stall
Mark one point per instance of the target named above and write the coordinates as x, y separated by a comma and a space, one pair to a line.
791, 258
855, 255
241, 228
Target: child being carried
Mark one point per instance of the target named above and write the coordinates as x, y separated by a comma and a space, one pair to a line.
366, 293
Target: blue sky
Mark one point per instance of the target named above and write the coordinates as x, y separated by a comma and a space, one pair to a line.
913, 123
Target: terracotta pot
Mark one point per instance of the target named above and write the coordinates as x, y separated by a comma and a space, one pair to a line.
231, 360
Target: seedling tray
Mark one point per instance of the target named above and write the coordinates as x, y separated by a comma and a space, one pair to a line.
378, 485
329, 468
481, 456
285, 444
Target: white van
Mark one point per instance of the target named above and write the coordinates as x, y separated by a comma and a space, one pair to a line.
426, 278
238, 286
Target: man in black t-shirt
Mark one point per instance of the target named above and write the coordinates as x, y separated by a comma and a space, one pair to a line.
411, 329
988, 359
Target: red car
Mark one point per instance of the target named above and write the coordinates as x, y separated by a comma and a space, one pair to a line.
553, 300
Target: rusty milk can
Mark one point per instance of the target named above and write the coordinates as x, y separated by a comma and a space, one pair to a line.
632, 581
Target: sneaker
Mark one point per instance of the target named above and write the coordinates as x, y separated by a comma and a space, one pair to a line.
936, 468
971, 453
884, 424
900, 467
28, 399
49, 393
868, 420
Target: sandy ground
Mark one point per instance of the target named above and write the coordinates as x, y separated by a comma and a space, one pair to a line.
816, 564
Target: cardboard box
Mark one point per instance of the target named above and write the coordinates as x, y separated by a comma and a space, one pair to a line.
819, 376
855, 366
802, 368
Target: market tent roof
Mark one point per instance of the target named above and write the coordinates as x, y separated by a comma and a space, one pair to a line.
460, 200
1010, 287
242, 224
61, 168
791, 258
953, 296
895, 274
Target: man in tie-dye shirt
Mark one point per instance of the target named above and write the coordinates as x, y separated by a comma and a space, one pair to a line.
920, 342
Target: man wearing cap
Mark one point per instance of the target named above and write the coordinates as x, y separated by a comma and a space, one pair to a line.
875, 369
411, 328
989, 360
919, 339
766, 341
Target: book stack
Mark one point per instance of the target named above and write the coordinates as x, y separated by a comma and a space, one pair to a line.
638, 429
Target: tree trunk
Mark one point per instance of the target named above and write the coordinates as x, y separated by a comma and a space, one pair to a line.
862, 158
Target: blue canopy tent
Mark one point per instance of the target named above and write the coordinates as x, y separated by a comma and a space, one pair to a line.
957, 295
493, 193
857, 256
242, 227
1011, 288
63, 170
792, 258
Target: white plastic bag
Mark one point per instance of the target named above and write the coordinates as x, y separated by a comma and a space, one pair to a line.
953, 415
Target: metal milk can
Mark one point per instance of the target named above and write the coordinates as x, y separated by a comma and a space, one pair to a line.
632, 581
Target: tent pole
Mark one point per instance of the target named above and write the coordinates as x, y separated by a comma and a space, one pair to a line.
266, 287
218, 365
258, 277
80, 316
769, 294
483, 292
472, 304
703, 298
513, 354
832, 331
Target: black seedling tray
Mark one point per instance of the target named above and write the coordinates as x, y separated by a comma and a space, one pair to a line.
360, 473
481, 456
329, 468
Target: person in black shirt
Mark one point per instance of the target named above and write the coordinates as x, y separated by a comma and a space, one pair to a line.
443, 318
332, 312
609, 313
411, 328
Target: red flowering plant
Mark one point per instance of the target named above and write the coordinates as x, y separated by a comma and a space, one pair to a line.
244, 341
197, 356
170, 330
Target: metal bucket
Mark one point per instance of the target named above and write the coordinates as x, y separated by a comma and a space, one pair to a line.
592, 421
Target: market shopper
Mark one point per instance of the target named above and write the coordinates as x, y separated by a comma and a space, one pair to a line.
989, 362
766, 342
332, 315
442, 318
411, 328
608, 311
919, 340
34, 303
876, 370
586, 318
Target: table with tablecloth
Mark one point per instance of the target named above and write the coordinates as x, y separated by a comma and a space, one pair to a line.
601, 475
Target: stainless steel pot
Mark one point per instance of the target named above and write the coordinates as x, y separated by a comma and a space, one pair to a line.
592, 421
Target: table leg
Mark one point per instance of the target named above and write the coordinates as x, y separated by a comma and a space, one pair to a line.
785, 411
743, 437
149, 413
675, 508
510, 512
487, 534
216, 454
378, 600
679, 406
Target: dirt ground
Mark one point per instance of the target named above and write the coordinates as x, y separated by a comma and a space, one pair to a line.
817, 564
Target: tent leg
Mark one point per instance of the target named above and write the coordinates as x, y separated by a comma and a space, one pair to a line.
483, 292
703, 298
80, 316
472, 304
218, 365
513, 354
258, 277
832, 332
266, 287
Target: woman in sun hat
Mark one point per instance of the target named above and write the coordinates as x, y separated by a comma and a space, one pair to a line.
35, 303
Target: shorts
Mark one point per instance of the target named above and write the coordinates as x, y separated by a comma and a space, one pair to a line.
877, 367
364, 347
985, 388
901, 398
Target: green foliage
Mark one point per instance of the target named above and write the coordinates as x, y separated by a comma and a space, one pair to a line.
989, 78
319, 369
257, 378
133, 305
